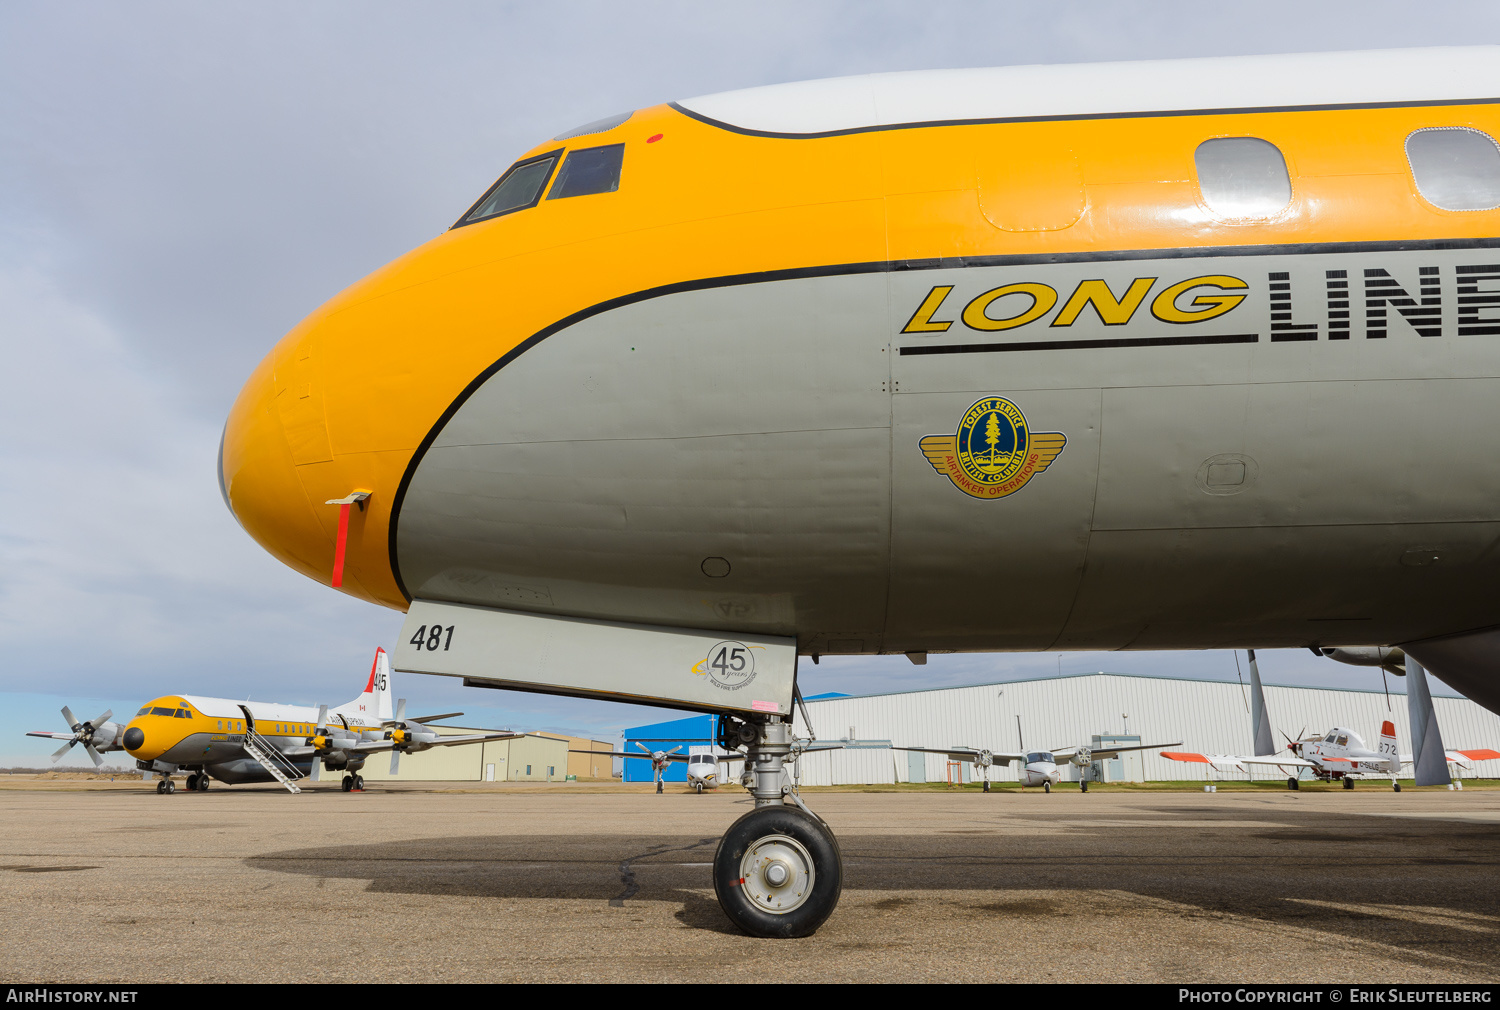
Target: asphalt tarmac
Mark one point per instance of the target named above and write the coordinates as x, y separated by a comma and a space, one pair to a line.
487, 883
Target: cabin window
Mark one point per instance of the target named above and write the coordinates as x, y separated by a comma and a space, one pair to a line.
1242, 177
1343, 740
591, 170
520, 187
1455, 168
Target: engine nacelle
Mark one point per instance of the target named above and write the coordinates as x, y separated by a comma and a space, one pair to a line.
1388, 658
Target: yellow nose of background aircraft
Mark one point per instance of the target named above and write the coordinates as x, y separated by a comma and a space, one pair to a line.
1163, 355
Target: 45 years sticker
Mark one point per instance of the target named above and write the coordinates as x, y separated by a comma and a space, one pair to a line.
728, 665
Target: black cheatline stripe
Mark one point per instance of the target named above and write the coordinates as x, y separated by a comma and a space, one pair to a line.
1078, 117
1077, 345
888, 266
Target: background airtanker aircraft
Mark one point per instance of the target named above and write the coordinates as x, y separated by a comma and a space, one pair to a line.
244, 741
1169, 355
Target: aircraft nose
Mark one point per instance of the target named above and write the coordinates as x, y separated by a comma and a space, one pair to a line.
135, 738
278, 467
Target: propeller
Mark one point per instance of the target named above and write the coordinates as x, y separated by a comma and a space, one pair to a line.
409, 735
400, 729
319, 742
84, 733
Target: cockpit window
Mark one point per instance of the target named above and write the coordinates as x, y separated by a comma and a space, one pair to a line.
1329, 738
520, 187
1342, 741
168, 712
588, 171
145, 710
1039, 757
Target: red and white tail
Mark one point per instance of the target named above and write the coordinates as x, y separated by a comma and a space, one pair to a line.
374, 702
1388, 739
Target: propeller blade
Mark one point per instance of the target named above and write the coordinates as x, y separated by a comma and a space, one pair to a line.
674, 750
102, 718
642, 747
57, 754
322, 719
98, 761
395, 761
317, 769
73, 723
401, 710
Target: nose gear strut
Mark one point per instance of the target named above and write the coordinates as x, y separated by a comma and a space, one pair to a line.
778, 871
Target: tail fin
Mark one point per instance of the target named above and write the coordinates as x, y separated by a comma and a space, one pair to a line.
1388, 740
374, 702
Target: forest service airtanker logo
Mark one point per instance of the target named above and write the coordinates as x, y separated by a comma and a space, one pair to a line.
993, 453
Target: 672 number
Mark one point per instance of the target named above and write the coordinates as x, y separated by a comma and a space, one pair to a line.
432, 638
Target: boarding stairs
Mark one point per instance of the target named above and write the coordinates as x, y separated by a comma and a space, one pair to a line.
272, 760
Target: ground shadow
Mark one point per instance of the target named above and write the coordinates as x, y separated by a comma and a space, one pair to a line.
1422, 886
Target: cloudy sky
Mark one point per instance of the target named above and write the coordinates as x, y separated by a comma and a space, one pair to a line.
180, 183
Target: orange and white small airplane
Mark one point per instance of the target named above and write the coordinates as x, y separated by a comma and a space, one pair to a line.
1338, 755
238, 742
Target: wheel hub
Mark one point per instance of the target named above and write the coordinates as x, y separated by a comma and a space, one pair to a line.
777, 874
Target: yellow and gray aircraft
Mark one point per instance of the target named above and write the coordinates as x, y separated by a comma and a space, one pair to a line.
1174, 355
245, 741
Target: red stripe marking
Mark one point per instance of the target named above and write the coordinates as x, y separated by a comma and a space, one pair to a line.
338, 548
1177, 755
374, 664
1484, 754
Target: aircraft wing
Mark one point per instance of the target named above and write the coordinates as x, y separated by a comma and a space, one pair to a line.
965, 754
1107, 753
811, 748
1226, 762
1458, 756
644, 755
376, 746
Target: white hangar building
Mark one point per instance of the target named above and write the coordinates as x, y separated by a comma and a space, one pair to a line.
1103, 708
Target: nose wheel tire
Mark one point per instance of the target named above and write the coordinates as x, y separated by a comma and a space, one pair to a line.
166, 786
778, 873
698, 787
1046, 787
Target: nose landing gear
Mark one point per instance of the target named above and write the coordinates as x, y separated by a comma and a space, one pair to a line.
778, 871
